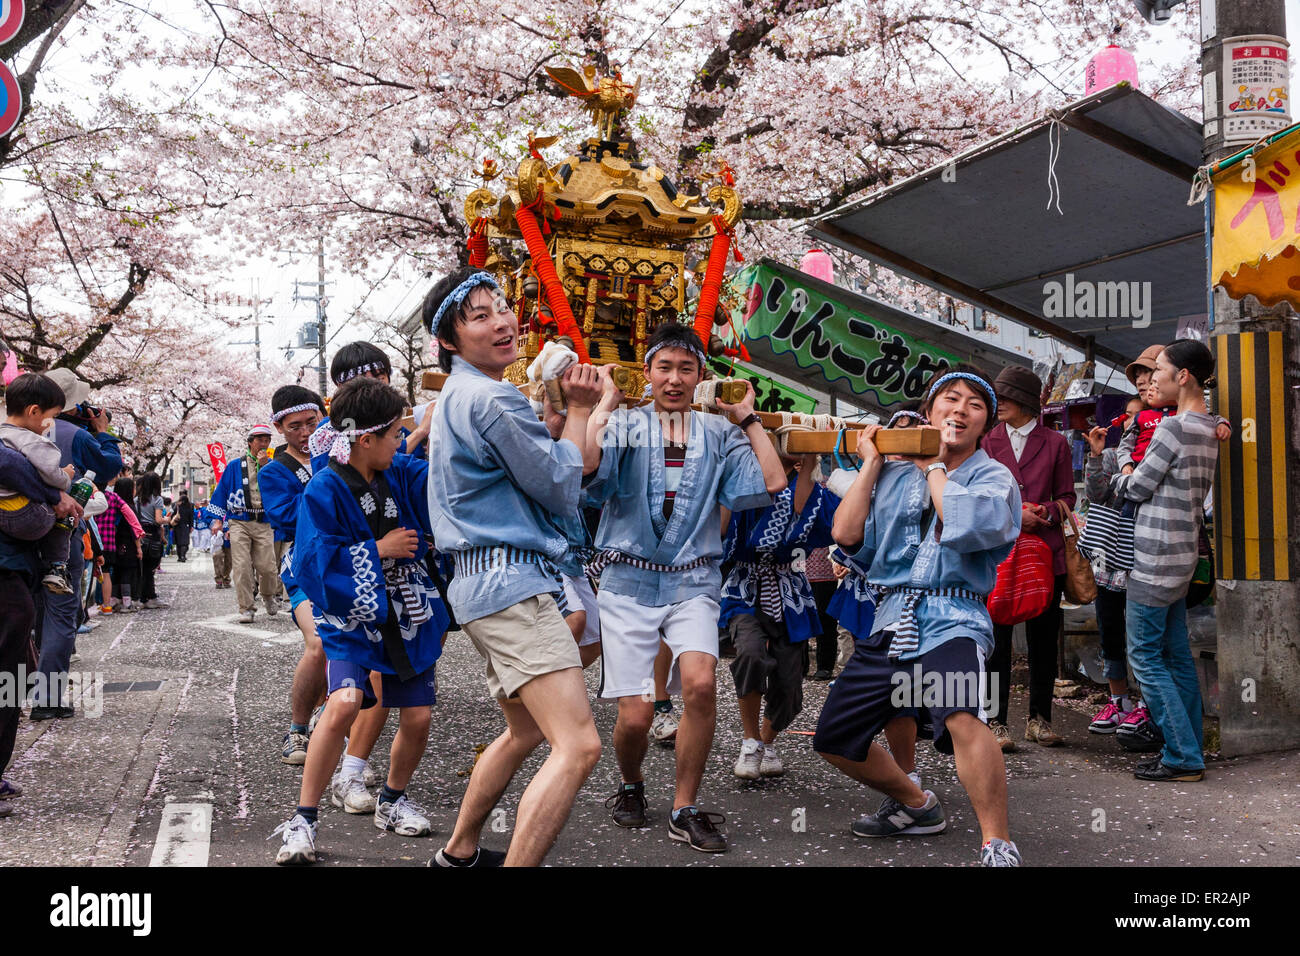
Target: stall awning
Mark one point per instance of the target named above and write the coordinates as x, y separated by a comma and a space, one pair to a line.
1257, 222
1118, 165
841, 342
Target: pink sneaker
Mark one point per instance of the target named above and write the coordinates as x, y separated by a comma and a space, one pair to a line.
1108, 719
1135, 718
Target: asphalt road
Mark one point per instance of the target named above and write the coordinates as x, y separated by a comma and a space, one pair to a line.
181, 767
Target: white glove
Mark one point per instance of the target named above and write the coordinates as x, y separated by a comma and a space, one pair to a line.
840, 481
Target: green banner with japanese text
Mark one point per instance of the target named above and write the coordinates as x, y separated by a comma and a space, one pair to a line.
849, 349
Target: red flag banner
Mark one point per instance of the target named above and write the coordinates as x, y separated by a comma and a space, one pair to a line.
217, 452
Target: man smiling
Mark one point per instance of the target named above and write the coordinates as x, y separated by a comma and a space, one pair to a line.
499, 486
664, 474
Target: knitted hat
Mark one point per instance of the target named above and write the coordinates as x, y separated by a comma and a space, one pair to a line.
1146, 362
1020, 385
260, 430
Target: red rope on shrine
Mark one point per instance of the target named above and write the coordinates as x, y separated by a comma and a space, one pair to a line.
478, 243
546, 275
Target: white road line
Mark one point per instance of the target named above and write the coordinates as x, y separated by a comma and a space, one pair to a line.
231, 625
184, 835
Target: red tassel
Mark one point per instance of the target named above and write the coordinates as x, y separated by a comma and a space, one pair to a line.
552, 288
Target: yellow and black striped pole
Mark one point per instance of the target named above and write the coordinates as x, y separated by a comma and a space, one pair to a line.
1251, 512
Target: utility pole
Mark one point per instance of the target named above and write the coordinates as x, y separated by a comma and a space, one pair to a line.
319, 299
256, 288
1257, 496
320, 306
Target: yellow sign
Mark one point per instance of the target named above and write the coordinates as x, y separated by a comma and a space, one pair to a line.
1257, 224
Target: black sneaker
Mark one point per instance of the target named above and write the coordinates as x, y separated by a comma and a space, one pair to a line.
897, 819
1149, 762
43, 713
1144, 737
822, 676
628, 805
1164, 773
699, 828
482, 857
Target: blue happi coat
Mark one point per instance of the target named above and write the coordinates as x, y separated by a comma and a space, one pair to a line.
282, 481
774, 541
853, 604
336, 563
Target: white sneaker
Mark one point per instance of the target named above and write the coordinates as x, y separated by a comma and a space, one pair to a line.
315, 718
351, 794
663, 729
749, 763
299, 843
369, 777
246, 617
771, 765
402, 817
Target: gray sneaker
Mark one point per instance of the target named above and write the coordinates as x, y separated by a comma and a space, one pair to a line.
897, 819
999, 852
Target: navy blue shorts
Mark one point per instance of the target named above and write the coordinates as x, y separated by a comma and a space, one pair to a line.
419, 691
872, 690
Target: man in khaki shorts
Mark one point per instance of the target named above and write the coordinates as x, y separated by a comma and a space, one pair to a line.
496, 482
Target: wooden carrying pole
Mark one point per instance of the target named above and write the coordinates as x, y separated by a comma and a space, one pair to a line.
922, 442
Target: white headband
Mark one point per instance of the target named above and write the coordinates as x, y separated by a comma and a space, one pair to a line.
341, 447
293, 410
685, 347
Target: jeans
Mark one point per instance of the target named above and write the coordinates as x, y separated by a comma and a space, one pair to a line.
1161, 658
1110, 621
57, 626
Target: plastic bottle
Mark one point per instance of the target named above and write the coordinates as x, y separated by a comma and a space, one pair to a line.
81, 491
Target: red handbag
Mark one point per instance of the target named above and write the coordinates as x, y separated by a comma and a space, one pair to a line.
1025, 582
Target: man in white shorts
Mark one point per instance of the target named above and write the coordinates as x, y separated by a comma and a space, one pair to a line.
664, 473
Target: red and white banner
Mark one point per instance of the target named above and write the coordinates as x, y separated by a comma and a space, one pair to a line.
217, 452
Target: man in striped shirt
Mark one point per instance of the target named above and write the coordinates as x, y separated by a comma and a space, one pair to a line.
664, 471
1171, 483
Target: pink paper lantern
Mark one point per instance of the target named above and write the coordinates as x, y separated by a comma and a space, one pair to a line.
817, 263
1110, 67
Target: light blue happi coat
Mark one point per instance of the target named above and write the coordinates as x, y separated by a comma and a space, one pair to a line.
720, 469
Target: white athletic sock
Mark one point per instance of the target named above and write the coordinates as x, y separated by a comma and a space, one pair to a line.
930, 800
915, 778
353, 766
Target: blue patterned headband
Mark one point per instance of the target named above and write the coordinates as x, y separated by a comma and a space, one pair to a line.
458, 294
983, 384
907, 413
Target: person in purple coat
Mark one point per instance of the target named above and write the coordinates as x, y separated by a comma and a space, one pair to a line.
1039, 460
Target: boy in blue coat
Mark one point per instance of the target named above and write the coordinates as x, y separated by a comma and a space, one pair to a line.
359, 557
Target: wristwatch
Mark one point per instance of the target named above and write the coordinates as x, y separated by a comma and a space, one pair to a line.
933, 465
750, 420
